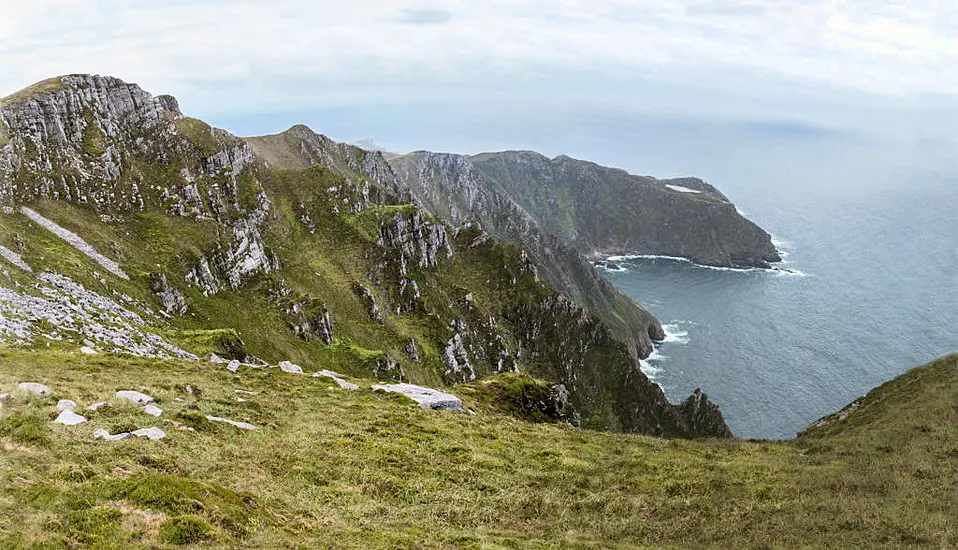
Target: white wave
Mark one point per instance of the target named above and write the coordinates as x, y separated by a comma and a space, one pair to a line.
619, 269
650, 371
674, 334
779, 271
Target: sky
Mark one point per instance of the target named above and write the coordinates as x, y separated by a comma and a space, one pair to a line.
583, 77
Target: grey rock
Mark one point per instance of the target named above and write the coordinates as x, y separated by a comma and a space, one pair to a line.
66, 405
150, 433
105, 435
345, 384
87, 350
134, 397
286, 366
173, 302
233, 366
74, 240
14, 258
69, 418
97, 406
34, 388
153, 410
457, 360
240, 425
426, 397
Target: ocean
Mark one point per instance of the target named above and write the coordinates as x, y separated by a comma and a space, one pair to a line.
874, 293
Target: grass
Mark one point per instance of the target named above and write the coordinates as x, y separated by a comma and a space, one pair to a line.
330, 468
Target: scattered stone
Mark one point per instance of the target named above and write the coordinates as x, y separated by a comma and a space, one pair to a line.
134, 397
233, 366
241, 425
217, 359
4, 396
426, 397
66, 405
245, 392
346, 385
97, 406
150, 433
105, 435
240, 400
153, 410
34, 388
76, 242
87, 350
286, 366
69, 418
173, 302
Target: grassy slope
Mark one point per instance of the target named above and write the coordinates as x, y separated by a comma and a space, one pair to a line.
329, 468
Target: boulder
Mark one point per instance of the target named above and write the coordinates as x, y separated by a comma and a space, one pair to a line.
97, 406
66, 405
286, 366
233, 366
153, 410
150, 433
87, 350
70, 418
34, 388
134, 397
426, 397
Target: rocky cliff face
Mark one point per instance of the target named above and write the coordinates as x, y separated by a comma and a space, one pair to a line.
600, 210
117, 190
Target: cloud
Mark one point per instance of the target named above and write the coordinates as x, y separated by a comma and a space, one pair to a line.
424, 17
255, 55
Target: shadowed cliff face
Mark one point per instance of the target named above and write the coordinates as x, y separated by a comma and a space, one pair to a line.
289, 247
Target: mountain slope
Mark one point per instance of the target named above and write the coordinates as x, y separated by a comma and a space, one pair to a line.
467, 199
360, 469
144, 231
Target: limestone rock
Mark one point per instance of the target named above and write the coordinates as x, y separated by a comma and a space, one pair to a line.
153, 410
70, 418
97, 406
87, 350
34, 388
240, 425
66, 405
426, 397
703, 417
286, 366
150, 433
233, 366
134, 397
173, 302
105, 435
345, 384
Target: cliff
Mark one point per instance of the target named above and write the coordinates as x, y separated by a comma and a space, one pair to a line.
170, 238
594, 209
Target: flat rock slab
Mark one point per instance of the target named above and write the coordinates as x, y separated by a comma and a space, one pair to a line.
34, 388
241, 425
70, 418
233, 366
66, 405
153, 410
134, 397
286, 366
345, 384
97, 406
87, 350
105, 435
150, 433
427, 398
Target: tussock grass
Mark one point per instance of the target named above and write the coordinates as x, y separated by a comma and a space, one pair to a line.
331, 468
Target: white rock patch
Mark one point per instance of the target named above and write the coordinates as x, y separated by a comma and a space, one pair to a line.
105, 435
14, 258
345, 384
681, 189
426, 397
66, 405
153, 410
76, 242
286, 366
70, 418
150, 433
241, 425
134, 397
34, 388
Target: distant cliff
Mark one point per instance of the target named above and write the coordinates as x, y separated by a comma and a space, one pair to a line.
594, 209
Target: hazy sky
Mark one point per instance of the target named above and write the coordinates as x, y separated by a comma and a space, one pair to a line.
477, 74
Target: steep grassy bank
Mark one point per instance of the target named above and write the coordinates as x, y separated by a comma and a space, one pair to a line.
331, 468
